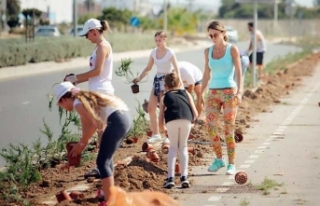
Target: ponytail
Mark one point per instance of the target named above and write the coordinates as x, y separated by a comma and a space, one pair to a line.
105, 26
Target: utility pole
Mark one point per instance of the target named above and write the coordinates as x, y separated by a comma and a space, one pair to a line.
165, 15
275, 15
75, 19
254, 53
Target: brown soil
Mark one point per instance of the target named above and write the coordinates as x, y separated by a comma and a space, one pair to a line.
142, 174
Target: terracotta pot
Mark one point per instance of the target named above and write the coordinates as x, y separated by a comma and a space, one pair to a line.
149, 133
191, 150
146, 147
76, 195
63, 195
177, 169
165, 148
135, 139
153, 156
191, 136
145, 106
241, 178
238, 137
319, 104
72, 161
135, 88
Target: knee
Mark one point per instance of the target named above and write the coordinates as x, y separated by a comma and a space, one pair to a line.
105, 167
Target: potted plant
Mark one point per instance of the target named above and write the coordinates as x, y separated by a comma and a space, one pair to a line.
124, 70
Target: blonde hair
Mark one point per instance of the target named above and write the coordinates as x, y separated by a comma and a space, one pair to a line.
217, 25
105, 26
93, 102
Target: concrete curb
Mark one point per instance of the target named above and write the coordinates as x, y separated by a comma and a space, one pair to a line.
82, 62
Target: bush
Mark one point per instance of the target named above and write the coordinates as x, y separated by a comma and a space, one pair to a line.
16, 52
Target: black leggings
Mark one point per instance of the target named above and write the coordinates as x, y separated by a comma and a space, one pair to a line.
118, 125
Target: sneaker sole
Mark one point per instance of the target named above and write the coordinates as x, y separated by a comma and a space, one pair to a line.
169, 186
185, 185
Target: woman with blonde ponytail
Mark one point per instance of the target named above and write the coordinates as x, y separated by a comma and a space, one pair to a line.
100, 65
97, 112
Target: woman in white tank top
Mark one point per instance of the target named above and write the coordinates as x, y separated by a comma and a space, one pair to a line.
101, 60
166, 62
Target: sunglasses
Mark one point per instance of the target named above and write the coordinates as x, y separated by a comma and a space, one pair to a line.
213, 36
87, 34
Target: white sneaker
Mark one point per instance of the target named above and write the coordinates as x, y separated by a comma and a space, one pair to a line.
166, 140
154, 138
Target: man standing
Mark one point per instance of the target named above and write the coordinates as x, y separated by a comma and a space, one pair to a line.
261, 49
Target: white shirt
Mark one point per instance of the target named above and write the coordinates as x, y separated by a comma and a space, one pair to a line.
105, 112
164, 65
190, 74
261, 44
102, 83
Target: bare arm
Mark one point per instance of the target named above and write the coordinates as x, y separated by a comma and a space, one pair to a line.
237, 64
102, 53
190, 88
193, 107
206, 74
146, 70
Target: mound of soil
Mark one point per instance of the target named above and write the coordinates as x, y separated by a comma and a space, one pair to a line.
142, 174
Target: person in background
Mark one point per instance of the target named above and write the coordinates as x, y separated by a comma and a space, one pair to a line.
165, 60
261, 49
245, 62
107, 113
191, 77
221, 61
178, 111
100, 72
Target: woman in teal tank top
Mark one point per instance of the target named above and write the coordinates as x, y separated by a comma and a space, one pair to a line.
222, 61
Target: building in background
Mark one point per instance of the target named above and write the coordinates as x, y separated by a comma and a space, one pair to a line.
144, 7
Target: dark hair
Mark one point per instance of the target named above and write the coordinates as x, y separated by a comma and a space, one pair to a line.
162, 34
250, 24
105, 26
217, 25
172, 80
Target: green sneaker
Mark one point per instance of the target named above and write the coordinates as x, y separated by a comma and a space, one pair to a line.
216, 165
231, 170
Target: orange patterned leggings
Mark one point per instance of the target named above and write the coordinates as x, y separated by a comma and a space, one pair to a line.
225, 98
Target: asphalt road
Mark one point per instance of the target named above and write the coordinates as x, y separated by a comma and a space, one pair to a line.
24, 103
282, 146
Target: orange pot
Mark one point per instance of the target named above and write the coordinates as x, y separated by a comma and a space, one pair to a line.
63, 195
153, 156
76, 195
191, 150
72, 161
146, 147
165, 148
177, 169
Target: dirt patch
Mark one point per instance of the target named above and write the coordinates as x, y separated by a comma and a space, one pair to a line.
142, 174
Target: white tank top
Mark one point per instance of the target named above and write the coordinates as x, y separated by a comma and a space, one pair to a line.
164, 65
105, 112
102, 83
261, 44
190, 73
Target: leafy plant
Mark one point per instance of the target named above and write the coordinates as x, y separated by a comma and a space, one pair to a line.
124, 70
140, 123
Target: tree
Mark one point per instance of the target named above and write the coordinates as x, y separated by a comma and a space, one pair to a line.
13, 10
316, 2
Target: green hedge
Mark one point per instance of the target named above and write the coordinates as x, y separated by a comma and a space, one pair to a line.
14, 52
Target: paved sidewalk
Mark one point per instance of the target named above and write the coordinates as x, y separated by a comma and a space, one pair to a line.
282, 145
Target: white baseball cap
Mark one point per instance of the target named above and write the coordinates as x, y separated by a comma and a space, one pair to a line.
89, 25
61, 89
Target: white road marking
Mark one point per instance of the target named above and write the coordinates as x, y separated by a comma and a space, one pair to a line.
258, 151
227, 183
244, 166
262, 147
231, 177
24, 103
249, 161
253, 156
266, 143
214, 198
222, 190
